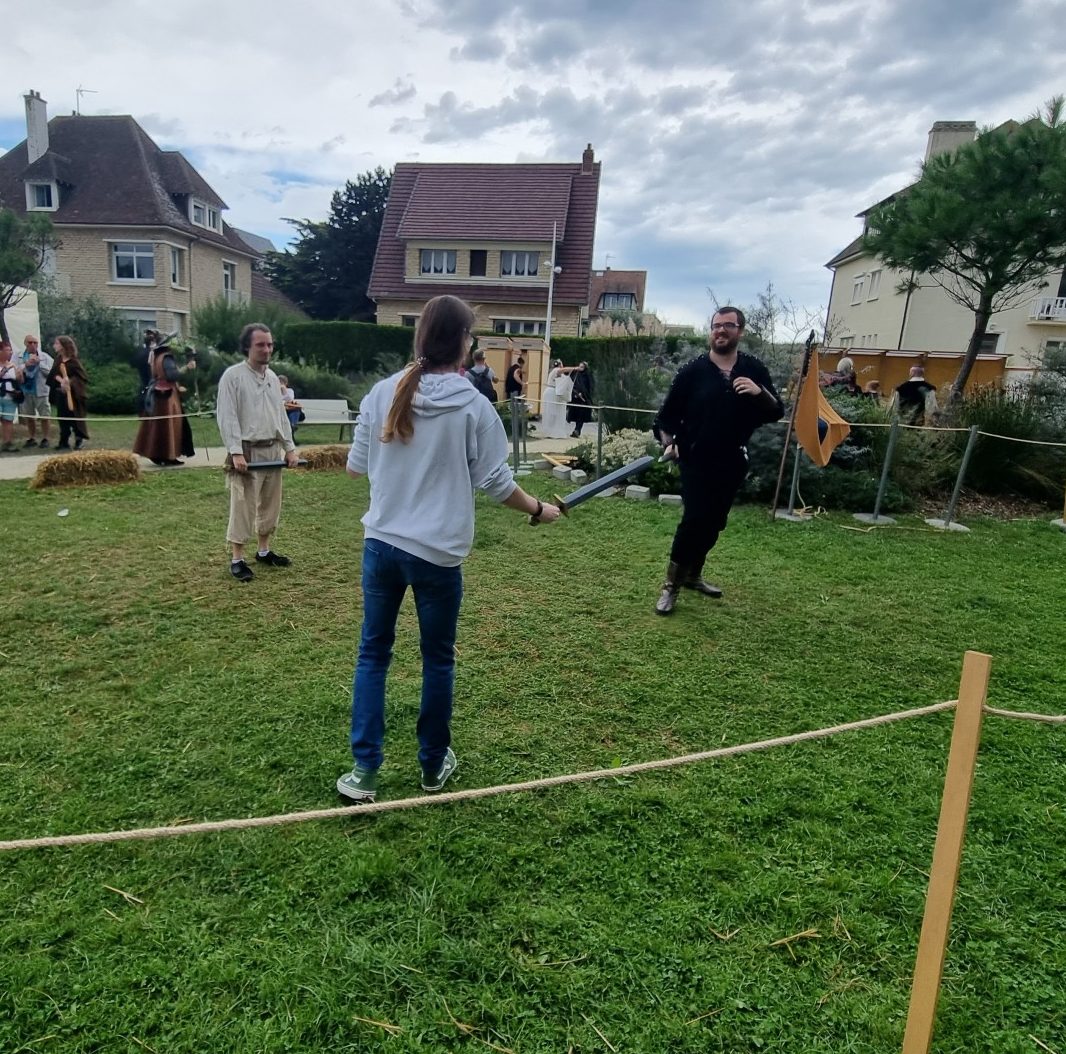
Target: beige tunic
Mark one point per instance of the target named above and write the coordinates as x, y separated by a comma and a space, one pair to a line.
251, 409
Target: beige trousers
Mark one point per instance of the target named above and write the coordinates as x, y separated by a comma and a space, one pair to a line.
255, 497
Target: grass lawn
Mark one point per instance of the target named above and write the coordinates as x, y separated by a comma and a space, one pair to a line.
143, 686
118, 433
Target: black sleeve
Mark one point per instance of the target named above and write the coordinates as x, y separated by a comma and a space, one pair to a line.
671, 415
170, 368
776, 410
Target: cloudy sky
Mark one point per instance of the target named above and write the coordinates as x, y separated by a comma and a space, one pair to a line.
738, 140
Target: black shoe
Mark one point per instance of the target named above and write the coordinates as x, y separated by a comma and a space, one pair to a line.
273, 558
29, 443
241, 571
43, 443
79, 444
62, 446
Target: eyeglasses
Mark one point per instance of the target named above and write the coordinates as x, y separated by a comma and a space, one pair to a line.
724, 325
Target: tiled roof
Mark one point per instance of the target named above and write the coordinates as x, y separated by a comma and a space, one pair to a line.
847, 253
265, 292
609, 281
472, 202
487, 201
111, 172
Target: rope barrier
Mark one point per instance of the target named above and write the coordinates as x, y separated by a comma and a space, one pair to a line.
215, 826
1051, 719
109, 418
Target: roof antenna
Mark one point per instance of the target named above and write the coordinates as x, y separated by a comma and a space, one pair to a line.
78, 94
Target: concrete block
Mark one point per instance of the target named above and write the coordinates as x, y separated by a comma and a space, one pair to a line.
524, 472
610, 492
542, 465
669, 499
578, 475
561, 472
635, 493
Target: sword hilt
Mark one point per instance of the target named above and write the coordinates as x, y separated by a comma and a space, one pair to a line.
534, 522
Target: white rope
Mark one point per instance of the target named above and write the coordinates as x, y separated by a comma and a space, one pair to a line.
210, 827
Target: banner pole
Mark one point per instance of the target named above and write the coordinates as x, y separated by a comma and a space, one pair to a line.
791, 422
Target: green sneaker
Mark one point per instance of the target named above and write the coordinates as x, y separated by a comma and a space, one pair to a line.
360, 784
435, 781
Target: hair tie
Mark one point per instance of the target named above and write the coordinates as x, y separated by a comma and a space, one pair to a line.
420, 362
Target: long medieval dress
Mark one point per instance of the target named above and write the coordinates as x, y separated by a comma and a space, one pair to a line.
164, 434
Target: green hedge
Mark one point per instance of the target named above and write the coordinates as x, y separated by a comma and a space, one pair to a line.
350, 347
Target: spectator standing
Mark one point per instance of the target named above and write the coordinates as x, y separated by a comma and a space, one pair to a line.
579, 410
515, 381
35, 409
915, 398
480, 375
69, 384
10, 397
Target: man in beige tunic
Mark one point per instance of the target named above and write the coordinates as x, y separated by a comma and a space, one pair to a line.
254, 427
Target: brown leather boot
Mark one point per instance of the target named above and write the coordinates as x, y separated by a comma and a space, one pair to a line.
668, 598
694, 580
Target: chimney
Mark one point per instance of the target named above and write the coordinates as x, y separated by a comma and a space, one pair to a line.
945, 137
586, 161
36, 126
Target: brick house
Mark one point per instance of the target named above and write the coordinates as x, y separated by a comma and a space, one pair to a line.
484, 233
617, 291
139, 227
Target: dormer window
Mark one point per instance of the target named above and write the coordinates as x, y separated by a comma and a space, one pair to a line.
42, 197
204, 215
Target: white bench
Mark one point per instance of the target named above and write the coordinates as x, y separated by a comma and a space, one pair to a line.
328, 412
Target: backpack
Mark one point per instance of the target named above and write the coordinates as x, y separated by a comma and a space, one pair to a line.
480, 380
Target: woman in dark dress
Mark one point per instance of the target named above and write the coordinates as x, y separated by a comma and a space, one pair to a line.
579, 412
164, 435
68, 384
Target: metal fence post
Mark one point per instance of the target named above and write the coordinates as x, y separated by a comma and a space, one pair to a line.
946, 523
790, 513
865, 517
514, 429
599, 442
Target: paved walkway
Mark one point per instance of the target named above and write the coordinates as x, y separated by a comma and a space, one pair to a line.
24, 465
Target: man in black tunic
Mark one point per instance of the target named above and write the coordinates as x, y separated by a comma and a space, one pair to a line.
715, 403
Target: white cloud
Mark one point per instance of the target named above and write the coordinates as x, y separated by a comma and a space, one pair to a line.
737, 141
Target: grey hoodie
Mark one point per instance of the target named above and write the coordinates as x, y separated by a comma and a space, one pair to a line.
422, 491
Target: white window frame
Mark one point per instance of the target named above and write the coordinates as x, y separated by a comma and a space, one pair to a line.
446, 258
211, 216
607, 301
229, 281
857, 287
137, 320
875, 285
177, 267
516, 263
141, 250
31, 195
519, 327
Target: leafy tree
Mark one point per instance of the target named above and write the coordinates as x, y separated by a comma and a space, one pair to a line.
986, 223
24, 242
102, 336
219, 322
327, 270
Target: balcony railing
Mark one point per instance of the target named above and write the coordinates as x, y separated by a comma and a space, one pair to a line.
234, 296
1048, 309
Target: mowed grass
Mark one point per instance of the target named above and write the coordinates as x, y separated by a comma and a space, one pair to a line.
142, 686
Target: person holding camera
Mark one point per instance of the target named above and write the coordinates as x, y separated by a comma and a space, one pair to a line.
10, 397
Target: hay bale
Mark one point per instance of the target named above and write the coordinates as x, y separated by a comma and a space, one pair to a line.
325, 458
86, 468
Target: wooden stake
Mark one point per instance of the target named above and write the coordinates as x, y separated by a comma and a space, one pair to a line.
947, 853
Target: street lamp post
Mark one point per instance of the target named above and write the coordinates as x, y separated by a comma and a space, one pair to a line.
553, 270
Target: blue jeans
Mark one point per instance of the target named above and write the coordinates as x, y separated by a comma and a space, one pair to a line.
387, 572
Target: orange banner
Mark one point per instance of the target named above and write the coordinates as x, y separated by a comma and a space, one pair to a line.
812, 407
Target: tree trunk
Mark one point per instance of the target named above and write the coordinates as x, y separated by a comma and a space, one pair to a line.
982, 313
4, 335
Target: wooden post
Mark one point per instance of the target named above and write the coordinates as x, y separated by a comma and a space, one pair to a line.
947, 853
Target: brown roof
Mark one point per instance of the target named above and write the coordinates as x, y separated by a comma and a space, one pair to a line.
472, 202
848, 252
608, 281
111, 172
265, 292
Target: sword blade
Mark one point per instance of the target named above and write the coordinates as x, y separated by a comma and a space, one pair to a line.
590, 490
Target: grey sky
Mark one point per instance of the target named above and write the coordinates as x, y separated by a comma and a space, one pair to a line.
737, 140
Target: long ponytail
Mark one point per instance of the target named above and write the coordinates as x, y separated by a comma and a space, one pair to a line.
439, 342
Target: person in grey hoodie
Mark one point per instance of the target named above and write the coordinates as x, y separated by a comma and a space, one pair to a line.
427, 439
